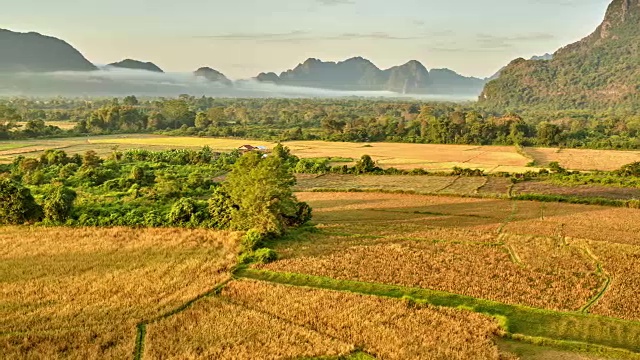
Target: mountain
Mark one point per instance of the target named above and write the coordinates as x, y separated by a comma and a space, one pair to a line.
33, 52
137, 65
361, 74
445, 81
545, 57
212, 75
599, 71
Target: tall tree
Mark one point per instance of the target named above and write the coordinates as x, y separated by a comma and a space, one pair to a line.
260, 189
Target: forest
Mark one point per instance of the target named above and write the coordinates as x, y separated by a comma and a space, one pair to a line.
351, 120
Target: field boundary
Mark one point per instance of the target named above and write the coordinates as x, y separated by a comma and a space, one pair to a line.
524, 323
142, 326
600, 272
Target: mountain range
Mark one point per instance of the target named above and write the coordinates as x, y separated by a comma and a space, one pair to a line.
358, 73
601, 70
35, 53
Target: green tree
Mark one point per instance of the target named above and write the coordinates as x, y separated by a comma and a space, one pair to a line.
130, 101
260, 189
90, 159
18, 205
365, 165
58, 204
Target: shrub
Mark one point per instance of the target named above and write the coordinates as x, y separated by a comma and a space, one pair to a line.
264, 256
18, 205
252, 240
302, 216
182, 211
220, 209
58, 204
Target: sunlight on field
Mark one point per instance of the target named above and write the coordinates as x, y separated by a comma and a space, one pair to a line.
457, 245
584, 159
430, 157
64, 125
81, 292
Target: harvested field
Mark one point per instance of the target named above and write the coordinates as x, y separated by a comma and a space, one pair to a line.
588, 191
64, 125
495, 186
385, 328
420, 184
79, 293
583, 159
481, 271
516, 252
621, 299
399, 155
601, 223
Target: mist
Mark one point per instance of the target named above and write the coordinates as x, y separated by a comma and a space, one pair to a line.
113, 82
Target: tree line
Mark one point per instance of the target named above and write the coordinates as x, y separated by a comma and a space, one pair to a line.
353, 120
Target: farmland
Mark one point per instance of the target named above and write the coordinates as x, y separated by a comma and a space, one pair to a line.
433, 266
403, 156
80, 293
392, 329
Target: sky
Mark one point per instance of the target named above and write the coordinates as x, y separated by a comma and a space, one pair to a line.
242, 38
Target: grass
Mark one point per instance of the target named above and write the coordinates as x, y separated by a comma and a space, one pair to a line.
573, 331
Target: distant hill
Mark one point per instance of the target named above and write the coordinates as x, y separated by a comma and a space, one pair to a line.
212, 75
32, 52
601, 70
361, 74
545, 57
445, 81
137, 65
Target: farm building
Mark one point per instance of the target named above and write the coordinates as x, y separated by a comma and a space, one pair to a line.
247, 148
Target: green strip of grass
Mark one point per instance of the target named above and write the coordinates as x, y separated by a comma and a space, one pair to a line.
571, 330
354, 356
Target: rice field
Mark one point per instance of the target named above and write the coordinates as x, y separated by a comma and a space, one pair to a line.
512, 252
80, 293
399, 155
584, 159
257, 320
384, 328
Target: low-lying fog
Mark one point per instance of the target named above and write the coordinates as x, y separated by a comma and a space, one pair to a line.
123, 82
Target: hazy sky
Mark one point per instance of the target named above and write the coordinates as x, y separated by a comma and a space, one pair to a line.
244, 37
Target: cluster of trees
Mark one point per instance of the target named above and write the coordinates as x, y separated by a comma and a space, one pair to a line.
142, 188
353, 120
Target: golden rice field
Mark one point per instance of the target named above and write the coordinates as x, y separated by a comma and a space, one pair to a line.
584, 159
216, 328
384, 328
64, 125
80, 293
403, 156
620, 261
512, 252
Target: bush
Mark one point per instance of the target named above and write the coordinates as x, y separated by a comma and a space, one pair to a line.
264, 256
252, 240
58, 204
182, 211
18, 205
220, 209
260, 256
302, 216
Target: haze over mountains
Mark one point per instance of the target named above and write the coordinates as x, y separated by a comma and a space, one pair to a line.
32, 64
601, 70
361, 74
